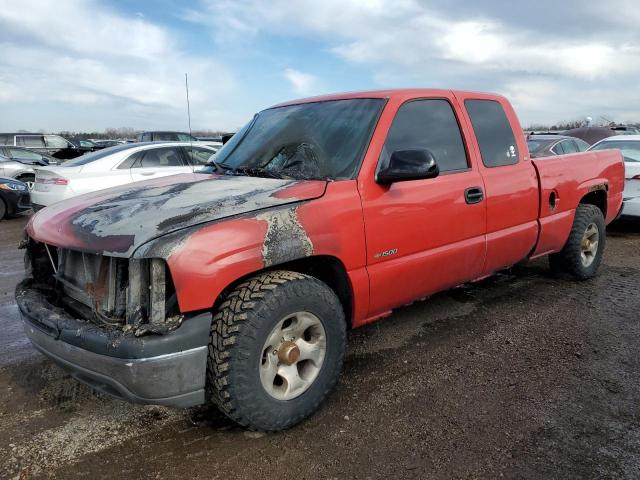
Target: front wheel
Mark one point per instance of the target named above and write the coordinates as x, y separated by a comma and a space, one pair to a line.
276, 349
582, 254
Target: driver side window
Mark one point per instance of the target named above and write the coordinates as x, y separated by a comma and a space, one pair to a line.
427, 124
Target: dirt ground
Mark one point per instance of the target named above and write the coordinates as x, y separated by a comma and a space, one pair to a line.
519, 376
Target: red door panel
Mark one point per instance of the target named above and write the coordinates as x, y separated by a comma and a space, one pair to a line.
422, 237
511, 193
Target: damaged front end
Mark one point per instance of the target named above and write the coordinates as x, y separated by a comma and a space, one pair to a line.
131, 295
114, 323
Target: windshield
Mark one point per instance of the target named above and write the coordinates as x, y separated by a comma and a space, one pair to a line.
630, 148
322, 140
93, 156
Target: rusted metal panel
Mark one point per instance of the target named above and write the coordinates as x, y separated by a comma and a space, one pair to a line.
158, 291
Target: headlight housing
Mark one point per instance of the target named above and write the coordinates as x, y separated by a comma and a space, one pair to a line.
13, 186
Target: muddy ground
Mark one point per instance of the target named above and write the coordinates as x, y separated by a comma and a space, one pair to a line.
520, 376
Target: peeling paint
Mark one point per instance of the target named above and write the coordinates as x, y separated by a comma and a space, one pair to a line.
286, 239
118, 224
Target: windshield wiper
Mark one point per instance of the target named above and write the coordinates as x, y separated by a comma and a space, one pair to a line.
221, 167
257, 172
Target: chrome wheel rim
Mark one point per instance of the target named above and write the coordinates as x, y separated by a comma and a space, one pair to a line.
589, 245
30, 184
293, 355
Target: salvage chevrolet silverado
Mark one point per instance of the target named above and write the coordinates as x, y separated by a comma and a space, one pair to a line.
237, 286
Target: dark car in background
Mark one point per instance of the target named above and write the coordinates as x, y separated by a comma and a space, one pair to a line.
107, 143
592, 135
165, 137
84, 145
14, 198
54, 145
547, 145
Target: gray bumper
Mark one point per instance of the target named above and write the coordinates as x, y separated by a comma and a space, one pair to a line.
165, 369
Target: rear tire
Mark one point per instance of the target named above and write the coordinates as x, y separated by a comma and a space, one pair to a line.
582, 254
250, 376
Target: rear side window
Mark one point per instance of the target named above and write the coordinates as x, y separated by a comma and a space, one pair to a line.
427, 124
581, 144
6, 140
493, 131
29, 141
199, 156
558, 148
160, 157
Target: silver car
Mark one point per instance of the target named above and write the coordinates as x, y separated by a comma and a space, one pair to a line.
21, 165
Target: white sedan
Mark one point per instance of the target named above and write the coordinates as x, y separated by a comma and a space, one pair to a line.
629, 145
115, 166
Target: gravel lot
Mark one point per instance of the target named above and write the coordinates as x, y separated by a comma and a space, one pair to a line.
519, 376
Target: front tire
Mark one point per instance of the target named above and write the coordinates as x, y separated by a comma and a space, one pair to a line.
582, 254
276, 350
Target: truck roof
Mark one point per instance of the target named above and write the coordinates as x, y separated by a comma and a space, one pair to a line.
389, 93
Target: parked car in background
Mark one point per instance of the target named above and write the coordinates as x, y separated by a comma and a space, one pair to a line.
107, 143
629, 145
84, 145
549, 145
591, 135
21, 168
14, 197
117, 165
26, 155
166, 137
53, 145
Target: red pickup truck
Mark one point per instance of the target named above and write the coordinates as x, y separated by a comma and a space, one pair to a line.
237, 286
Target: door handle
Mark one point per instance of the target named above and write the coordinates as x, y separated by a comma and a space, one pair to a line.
146, 174
473, 195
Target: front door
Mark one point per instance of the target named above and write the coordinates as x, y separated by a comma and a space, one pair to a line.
424, 236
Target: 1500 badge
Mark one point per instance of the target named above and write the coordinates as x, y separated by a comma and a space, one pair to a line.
386, 253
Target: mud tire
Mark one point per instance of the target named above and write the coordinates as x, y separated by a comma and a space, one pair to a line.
568, 261
240, 327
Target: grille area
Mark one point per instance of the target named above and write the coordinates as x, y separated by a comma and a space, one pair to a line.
109, 289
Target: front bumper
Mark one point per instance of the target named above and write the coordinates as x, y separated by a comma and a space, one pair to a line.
165, 369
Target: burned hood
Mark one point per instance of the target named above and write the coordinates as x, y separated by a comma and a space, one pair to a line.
116, 221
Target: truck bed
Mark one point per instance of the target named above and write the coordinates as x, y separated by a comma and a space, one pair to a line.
564, 180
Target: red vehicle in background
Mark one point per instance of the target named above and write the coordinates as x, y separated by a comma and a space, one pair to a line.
321, 215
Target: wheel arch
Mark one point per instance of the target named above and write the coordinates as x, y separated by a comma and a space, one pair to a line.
596, 197
326, 268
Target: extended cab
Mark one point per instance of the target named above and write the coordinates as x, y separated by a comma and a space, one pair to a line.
238, 286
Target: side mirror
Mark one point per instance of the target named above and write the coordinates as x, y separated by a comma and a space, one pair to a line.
408, 165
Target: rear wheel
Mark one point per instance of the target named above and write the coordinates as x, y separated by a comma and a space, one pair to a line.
582, 254
276, 350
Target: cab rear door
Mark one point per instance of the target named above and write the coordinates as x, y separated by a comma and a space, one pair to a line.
510, 179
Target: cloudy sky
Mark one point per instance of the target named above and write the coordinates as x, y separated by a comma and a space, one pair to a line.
93, 64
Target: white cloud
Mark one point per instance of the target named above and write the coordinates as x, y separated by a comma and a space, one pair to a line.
412, 42
78, 52
302, 83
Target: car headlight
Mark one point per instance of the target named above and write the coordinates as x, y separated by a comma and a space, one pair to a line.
13, 186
